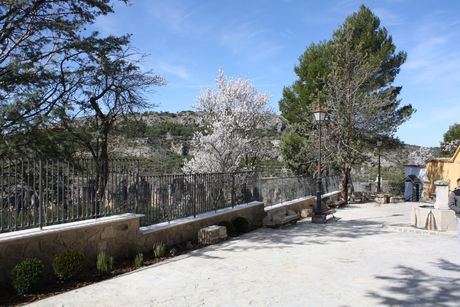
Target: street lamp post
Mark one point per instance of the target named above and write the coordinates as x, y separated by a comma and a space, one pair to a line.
319, 216
379, 178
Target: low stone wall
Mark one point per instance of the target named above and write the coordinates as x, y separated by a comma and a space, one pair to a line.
119, 235
186, 229
297, 205
115, 234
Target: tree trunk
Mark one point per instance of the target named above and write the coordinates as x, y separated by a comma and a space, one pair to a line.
102, 174
345, 180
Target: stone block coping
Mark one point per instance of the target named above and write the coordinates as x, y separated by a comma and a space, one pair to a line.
201, 216
28, 233
290, 202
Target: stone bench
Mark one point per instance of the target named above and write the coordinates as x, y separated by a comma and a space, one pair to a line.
212, 234
280, 216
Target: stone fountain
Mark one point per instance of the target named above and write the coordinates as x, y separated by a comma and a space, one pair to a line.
438, 216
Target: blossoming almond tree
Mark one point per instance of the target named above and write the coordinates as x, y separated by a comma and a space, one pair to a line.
231, 115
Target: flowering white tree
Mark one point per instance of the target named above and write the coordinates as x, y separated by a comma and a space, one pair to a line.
231, 114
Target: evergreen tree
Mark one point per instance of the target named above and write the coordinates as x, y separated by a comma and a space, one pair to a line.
352, 76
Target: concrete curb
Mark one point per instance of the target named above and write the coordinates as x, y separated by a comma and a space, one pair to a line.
421, 231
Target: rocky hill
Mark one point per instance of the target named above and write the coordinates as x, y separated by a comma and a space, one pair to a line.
163, 139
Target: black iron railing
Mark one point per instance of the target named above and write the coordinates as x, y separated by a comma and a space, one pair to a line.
36, 193
275, 190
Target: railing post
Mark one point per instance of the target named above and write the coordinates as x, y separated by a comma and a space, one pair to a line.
259, 186
194, 193
40, 195
233, 190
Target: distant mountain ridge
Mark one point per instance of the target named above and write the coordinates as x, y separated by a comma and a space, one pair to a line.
165, 137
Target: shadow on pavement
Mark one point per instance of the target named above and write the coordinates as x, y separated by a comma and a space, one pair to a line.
303, 233
414, 287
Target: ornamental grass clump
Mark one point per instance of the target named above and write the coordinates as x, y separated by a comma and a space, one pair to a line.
138, 260
104, 263
28, 275
69, 264
159, 249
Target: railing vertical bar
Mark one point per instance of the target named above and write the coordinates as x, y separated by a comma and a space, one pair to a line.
233, 190
7, 188
46, 193
2, 207
16, 204
40, 193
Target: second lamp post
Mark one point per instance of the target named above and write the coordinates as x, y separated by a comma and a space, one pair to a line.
319, 215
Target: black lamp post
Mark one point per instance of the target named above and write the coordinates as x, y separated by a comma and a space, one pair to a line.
319, 216
379, 178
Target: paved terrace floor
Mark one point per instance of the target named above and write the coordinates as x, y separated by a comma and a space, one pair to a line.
357, 261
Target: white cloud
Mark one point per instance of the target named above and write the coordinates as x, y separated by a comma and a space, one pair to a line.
175, 70
249, 40
433, 56
179, 17
388, 17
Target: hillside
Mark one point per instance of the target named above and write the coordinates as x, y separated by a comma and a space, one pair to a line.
163, 140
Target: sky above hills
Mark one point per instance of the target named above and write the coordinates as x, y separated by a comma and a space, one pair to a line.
188, 41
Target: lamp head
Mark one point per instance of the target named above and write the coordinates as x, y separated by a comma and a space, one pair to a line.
320, 114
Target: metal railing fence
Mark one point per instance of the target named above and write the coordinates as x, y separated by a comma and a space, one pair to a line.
36, 193
275, 190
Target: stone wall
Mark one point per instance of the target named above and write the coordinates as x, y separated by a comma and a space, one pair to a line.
297, 205
115, 234
118, 235
186, 229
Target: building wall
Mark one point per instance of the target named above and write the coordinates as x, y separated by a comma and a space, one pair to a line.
418, 171
442, 169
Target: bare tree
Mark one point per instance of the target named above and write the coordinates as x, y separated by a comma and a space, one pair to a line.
111, 84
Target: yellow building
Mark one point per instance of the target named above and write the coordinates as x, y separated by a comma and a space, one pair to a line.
441, 169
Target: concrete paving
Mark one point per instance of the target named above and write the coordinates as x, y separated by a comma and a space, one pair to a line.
356, 261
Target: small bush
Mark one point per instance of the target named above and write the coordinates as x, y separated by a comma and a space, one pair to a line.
230, 228
28, 275
69, 264
104, 263
159, 249
138, 260
241, 224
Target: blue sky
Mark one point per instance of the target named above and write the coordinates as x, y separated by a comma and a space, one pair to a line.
188, 41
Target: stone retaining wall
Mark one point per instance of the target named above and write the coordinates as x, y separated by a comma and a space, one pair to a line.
186, 229
297, 205
115, 234
118, 235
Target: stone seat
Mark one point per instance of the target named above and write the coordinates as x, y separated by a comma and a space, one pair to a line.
212, 234
280, 216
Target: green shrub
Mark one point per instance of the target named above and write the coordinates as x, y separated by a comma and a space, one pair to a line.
28, 275
159, 249
104, 263
241, 224
138, 260
231, 231
68, 264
